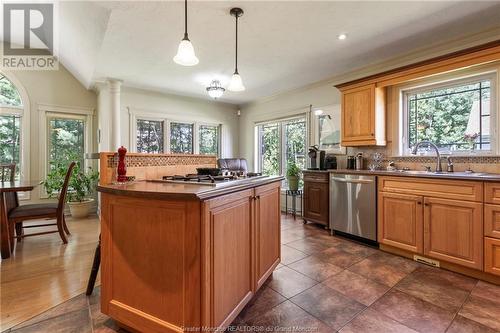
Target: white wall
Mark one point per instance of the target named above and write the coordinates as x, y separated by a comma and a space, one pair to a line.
57, 88
182, 108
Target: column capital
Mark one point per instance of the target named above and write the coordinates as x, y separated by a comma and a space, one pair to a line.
114, 83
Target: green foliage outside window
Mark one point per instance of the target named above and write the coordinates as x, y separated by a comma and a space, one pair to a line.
150, 136
273, 161
66, 141
9, 96
209, 140
181, 138
270, 149
10, 140
449, 117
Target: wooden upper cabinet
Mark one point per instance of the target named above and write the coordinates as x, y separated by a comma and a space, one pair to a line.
267, 231
400, 221
363, 116
453, 231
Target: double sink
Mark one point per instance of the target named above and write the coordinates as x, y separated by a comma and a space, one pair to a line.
447, 174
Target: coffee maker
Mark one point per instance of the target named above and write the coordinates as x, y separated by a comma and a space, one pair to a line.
316, 158
330, 162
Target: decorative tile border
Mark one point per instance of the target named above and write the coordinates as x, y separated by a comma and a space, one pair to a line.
456, 159
161, 160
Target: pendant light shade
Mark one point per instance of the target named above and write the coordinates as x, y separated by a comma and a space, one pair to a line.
236, 83
185, 53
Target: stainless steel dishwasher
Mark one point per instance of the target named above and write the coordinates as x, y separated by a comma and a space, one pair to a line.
353, 205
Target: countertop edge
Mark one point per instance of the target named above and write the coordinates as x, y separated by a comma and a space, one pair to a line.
112, 189
495, 178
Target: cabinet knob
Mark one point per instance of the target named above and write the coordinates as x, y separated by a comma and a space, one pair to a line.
419, 202
426, 204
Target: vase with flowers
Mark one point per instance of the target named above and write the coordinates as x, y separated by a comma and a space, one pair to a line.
470, 140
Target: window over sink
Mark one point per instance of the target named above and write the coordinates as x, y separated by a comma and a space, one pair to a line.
458, 115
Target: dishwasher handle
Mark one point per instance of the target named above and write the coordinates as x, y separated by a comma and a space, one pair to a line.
354, 181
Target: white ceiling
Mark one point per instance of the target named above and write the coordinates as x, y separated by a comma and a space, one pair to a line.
283, 44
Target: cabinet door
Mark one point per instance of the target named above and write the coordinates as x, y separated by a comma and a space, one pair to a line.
492, 255
453, 231
267, 231
492, 220
400, 222
358, 114
316, 202
231, 226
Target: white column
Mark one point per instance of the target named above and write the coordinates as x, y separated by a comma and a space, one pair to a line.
114, 105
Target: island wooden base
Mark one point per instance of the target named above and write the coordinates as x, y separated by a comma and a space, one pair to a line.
187, 265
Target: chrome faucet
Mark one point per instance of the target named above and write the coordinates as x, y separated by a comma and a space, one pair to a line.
438, 156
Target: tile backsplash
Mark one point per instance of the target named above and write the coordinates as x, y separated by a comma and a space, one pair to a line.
479, 163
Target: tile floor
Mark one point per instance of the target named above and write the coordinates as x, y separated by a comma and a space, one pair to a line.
329, 284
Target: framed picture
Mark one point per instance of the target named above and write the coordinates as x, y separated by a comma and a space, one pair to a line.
328, 130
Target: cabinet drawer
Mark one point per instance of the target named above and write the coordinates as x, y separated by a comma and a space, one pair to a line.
492, 220
492, 193
439, 188
316, 177
492, 255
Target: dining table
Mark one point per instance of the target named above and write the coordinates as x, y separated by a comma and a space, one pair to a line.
8, 201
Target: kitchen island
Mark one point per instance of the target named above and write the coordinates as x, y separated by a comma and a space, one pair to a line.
186, 257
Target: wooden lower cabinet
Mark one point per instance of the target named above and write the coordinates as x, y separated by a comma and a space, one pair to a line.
245, 248
492, 255
400, 221
316, 198
453, 231
232, 257
492, 220
267, 231
171, 265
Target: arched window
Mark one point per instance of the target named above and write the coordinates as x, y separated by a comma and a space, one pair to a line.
14, 126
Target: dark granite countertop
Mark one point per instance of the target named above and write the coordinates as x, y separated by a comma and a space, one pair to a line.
175, 191
482, 176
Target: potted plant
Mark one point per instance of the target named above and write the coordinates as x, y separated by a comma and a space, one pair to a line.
293, 175
82, 186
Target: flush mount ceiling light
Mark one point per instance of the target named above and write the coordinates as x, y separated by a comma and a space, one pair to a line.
341, 36
215, 89
236, 83
185, 53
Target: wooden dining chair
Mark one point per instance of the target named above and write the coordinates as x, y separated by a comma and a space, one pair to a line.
8, 174
43, 211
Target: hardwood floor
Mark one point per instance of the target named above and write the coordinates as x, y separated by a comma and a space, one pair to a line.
43, 272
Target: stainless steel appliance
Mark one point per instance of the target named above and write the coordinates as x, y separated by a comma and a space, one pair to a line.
353, 205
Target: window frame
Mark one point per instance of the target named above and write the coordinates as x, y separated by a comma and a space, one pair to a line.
282, 140
46, 112
447, 82
24, 113
167, 121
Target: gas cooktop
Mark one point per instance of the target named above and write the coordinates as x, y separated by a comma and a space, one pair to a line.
208, 180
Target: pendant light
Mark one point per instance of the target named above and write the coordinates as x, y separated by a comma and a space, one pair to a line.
185, 53
215, 89
236, 84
